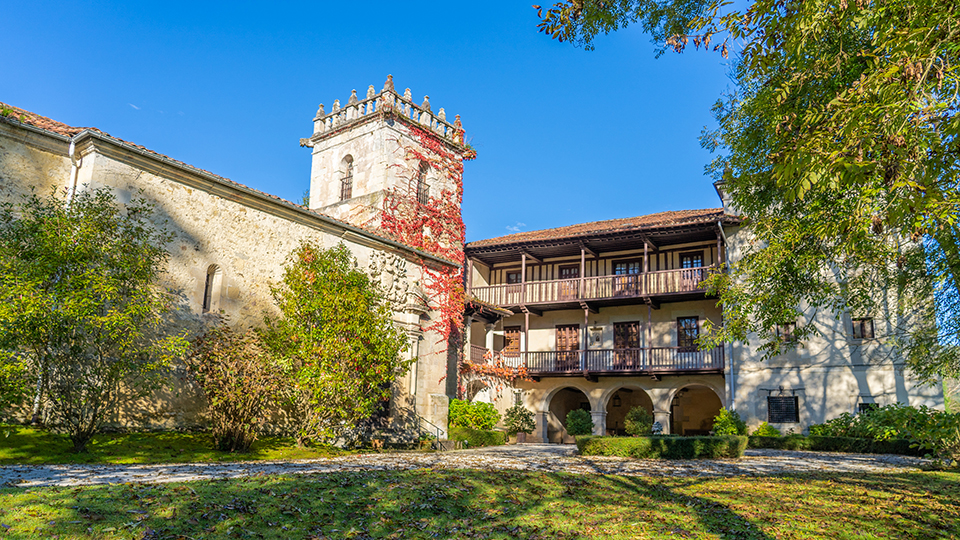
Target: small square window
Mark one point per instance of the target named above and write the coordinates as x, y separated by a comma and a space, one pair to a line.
787, 332
867, 407
863, 328
783, 409
513, 277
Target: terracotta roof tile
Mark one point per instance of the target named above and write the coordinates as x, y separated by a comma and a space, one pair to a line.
16, 114
651, 221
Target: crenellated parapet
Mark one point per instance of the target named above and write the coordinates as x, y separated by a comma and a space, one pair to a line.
385, 102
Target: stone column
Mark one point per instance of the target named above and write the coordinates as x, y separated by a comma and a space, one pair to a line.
542, 427
664, 418
599, 422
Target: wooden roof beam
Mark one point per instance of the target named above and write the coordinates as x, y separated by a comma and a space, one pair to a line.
586, 248
531, 257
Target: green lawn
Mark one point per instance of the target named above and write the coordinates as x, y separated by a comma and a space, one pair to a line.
477, 504
35, 447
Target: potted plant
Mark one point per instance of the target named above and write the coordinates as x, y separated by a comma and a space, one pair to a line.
520, 421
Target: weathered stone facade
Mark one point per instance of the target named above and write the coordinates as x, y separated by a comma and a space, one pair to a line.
242, 237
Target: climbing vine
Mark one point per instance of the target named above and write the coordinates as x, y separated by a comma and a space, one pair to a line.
495, 371
433, 225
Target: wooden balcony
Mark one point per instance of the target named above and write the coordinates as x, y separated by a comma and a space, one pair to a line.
591, 363
682, 282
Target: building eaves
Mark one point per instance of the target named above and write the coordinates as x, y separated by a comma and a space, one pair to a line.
581, 231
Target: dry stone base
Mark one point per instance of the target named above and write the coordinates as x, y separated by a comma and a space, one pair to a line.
527, 457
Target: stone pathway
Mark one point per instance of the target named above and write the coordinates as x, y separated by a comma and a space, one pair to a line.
530, 457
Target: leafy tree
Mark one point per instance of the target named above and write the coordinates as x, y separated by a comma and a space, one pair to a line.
839, 146
519, 419
240, 380
79, 304
337, 342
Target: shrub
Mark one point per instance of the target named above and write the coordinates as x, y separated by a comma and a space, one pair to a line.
519, 420
729, 423
858, 445
475, 415
766, 430
638, 422
664, 447
579, 422
476, 438
239, 380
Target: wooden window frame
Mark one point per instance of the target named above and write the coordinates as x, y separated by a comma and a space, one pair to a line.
787, 332
860, 328
508, 352
781, 417
508, 273
615, 262
700, 253
692, 347
562, 267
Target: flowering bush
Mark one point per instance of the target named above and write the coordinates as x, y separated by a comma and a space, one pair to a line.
519, 420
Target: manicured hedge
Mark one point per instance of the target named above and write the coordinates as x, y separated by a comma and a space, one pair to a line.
854, 445
478, 437
664, 447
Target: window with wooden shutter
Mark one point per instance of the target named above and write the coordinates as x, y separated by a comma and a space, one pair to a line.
863, 328
626, 342
568, 343
511, 341
783, 409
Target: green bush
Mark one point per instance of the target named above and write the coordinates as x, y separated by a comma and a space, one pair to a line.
766, 430
476, 438
475, 415
519, 420
935, 431
638, 422
729, 423
664, 447
855, 445
579, 422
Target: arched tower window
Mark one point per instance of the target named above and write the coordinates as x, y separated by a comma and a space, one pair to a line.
211, 289
423, 189
346, 184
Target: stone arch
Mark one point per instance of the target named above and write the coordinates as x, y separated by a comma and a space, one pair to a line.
692, 409
475, 390
619, 400
561, 402
544, 405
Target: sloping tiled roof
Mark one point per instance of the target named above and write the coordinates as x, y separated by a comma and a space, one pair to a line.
16, 114
671, 218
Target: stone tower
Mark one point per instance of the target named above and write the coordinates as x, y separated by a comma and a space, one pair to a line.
386, 154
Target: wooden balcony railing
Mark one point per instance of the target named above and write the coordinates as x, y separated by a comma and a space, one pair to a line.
595, 288
646, 360
478, 354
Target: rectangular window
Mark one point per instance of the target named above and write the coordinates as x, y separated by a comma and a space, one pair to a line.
568, 343
626, 268
691, 260
863, 328
783, 409
787, 332
688, 329
513, 277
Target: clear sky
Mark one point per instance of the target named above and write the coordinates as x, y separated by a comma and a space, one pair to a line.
563, 135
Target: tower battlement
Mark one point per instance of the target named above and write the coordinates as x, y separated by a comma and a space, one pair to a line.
386, 101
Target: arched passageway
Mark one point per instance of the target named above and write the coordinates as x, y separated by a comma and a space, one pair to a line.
693, 409
562, 403
620, 404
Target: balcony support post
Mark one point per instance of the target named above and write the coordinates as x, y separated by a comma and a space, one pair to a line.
646, 267
523, 278
526, 331
583, 271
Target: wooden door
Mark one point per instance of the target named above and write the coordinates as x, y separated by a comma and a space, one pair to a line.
626, 342
568, 347
568, 288
511, 341
627, 280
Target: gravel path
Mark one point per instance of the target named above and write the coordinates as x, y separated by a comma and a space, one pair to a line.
531, 457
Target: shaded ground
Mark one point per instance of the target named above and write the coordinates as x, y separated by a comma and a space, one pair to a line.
470, 504
528, 457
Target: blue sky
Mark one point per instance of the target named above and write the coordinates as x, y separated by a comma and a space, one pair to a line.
563, 135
